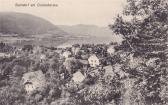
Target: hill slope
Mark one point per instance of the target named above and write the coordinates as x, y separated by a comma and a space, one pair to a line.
24, 24
91, 34
87, 30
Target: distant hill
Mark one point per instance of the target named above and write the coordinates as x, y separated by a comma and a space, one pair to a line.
87, 30
25, 24
21, 28
91, 33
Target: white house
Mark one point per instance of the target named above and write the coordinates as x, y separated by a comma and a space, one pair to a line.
37, 50
111, 50
67, 63
75, 50
42, 57
94, 61
78, 77
64, 46
3, 55
29, 87
66, 54
33, 81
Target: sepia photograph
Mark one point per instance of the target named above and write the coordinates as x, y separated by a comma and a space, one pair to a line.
83, 52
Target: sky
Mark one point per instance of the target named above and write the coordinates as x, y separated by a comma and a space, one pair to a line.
69, 12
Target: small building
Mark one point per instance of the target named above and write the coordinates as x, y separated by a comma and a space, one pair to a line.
42, 56
68, 63
33, 81
5, 55
17, 53
78, 77
37, 50
64, 46
2, 54
75, 50
109, 71
94, 61
66, 54
29, 87
111, 50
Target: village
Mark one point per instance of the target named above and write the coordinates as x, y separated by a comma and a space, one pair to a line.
89, 61
81, 65
74, 68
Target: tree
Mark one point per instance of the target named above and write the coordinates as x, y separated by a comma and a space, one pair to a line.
146, 36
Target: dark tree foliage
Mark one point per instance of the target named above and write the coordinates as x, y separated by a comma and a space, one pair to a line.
144, 26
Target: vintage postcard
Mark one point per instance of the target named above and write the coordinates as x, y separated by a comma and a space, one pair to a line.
83, 52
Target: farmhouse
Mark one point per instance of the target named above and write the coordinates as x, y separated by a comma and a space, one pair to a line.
29, 87
33, 81
42, 57
75, 50
111, 50
5, 55
66, 54
2, 54
94, 61
37, 50
78, 77
68, 63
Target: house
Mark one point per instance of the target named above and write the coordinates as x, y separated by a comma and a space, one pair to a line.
37, 50
109, 71
2, 54
93, 61
111, 50
42, 57
68, 62
75, 50
33, 81
66, 54
64, 46
29, 87
17, 53
5, 55
78, 77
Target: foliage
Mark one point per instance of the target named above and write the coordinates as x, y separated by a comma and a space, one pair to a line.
145, 35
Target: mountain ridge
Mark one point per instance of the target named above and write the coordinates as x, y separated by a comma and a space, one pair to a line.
87, 30
25, 24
